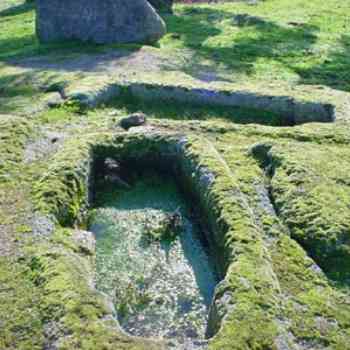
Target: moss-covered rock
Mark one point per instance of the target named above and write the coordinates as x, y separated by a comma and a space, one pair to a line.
310, 311
254, 303
312, 199
272, 294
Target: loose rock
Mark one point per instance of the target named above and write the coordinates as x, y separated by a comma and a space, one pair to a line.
136, 119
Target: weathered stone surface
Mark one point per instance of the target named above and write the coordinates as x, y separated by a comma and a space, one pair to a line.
85, 241
54, 99
103, 21
162, 5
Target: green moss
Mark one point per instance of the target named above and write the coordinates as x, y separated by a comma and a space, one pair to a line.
268, 277
62, 273
21, 326
256, 42
62, 190
262, 43
274, 291
230, 217
317, 313
14, 133
313, 201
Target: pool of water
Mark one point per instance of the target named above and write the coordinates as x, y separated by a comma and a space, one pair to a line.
160, 287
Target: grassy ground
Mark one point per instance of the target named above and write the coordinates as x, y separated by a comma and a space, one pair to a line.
277, 45
277, 40
299, 41
294, 180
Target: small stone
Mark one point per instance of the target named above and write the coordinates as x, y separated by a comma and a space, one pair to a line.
136, 119
55, 87
262, 152
296, 24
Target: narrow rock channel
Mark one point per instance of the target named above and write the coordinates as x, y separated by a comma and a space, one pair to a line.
160, 274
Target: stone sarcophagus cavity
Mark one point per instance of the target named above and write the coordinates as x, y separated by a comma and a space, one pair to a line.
98, 21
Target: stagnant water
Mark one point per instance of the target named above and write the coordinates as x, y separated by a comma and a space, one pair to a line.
161, 288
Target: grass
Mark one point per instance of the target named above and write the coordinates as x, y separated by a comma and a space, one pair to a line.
272, 279
276, 41
302, 42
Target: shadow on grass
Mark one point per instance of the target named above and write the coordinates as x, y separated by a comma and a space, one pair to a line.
186, 111
17, 90
257, 38
334, 71
17, 9
254, 38
27, 52
18, 46
17, 84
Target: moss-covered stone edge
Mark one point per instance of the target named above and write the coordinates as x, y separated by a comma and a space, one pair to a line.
242, 247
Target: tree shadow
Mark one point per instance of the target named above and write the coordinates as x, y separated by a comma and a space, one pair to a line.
334, 71
20, 46
14, 84
257, 38
16, 91
17, 9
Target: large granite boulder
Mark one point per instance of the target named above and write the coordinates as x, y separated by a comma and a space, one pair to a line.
162, 5
99, 21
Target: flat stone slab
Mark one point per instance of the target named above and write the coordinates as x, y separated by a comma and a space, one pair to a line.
99, 21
